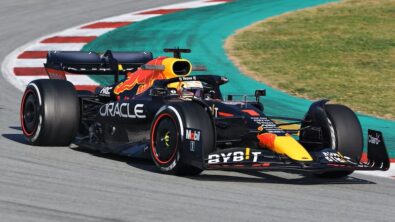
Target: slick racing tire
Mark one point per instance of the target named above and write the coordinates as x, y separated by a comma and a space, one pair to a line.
49, 112
166, 137
345, 136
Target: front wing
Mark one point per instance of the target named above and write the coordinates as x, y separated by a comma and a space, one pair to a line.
324, 160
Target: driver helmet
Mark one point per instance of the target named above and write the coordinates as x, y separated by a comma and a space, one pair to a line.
190, 89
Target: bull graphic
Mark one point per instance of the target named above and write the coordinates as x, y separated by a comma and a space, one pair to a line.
157, 69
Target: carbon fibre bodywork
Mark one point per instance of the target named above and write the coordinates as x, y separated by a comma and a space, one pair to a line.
237, 124
208, 131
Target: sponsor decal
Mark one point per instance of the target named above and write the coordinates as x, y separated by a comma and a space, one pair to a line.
267, 125
106, 91
123, 110
236, 156
192, 146
374, 139
187, 78
193, 135
336, 157
214, 110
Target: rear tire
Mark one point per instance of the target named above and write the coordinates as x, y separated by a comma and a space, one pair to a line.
345, 135
50, 112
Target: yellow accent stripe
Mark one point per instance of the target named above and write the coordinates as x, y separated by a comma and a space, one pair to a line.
247, 153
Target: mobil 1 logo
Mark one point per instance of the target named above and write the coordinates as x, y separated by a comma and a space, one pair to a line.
192, 139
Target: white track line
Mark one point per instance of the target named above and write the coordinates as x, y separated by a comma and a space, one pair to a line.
29, 62
75, 79
197, 4
129, 18
84, 32
55, 46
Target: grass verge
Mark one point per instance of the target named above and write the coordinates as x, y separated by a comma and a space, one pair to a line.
342, 51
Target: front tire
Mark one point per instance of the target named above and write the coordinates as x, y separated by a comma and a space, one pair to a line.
49, 112
167, 143
345, 136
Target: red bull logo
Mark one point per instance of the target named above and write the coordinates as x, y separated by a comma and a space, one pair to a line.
141, 78
162, 68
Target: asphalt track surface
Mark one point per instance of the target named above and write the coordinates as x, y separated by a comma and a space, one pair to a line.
61, 184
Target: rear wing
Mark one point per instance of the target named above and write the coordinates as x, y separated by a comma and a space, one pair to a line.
90, 63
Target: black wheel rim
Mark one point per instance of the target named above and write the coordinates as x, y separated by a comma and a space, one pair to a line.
30, 113
166, 140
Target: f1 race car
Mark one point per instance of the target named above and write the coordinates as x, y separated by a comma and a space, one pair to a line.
184, 123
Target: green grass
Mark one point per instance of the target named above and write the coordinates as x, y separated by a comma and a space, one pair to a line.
342, 51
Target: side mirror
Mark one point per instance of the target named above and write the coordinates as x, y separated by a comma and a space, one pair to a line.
259, 93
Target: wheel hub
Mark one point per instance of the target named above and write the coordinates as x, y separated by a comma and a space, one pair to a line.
166, 139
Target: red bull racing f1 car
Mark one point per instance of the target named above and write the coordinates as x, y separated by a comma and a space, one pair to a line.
184, 123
